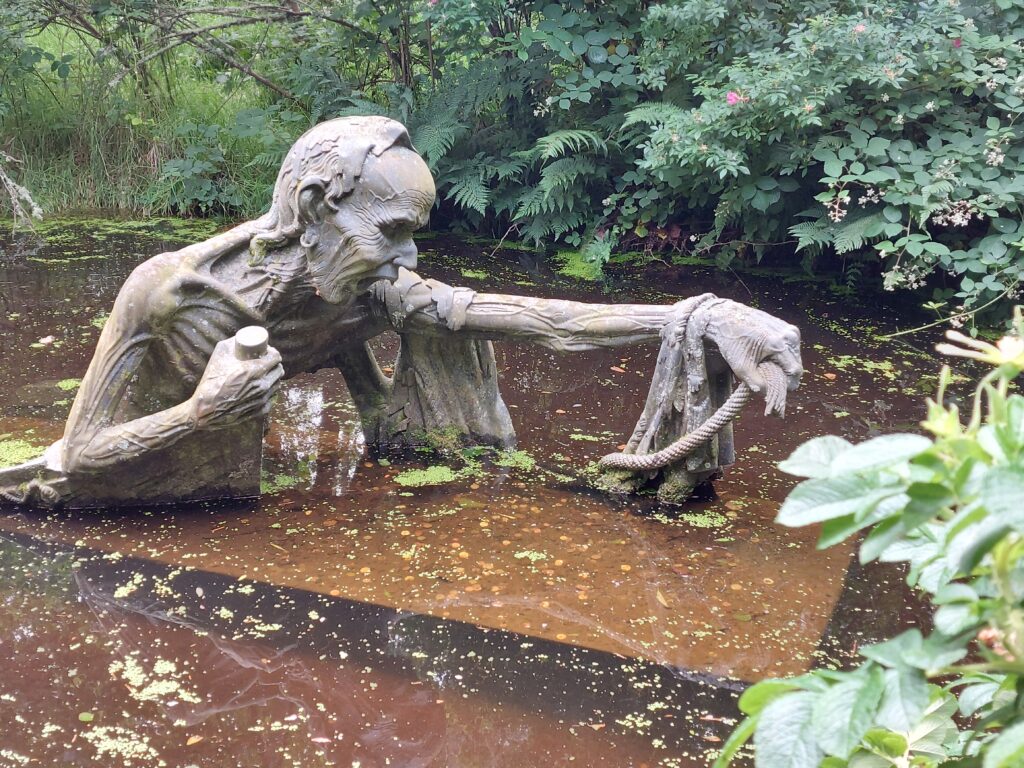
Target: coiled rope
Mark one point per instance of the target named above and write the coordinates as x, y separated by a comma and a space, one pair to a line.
687, 444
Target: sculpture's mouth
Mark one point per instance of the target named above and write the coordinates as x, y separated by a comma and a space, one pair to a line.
387, 271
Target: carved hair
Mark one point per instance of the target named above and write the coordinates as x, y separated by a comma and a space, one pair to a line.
329, 156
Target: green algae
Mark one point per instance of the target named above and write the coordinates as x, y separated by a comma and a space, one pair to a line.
575, 264
70, 229
278, 483
69, 385
474, 274
707, 519
433, 475
13, 452
516, 460
881, 368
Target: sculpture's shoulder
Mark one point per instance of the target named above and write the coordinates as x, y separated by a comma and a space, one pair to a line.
155, 289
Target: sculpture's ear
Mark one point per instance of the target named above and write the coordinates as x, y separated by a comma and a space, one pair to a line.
310, 203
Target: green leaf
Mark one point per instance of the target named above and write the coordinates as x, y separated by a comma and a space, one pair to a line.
820, 499
881, 536
1002, 490
880, 452
926, 501
740, 736
844, 713
760, 695
973, 697
892, 213
814, 458
892, 652
904, 699
954, 619
973, 542
886, 743
784, 737
1007, 751
834, 168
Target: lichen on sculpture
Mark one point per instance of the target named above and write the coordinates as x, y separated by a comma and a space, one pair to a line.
167, 402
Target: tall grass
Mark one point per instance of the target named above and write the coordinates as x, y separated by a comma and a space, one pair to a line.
85, 145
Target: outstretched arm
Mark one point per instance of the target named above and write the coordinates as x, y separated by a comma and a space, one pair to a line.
745, 336
430, 306
564, 326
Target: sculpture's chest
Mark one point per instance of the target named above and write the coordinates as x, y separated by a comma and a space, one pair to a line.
310, 337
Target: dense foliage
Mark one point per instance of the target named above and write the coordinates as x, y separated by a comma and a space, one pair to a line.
951, 508
871, 138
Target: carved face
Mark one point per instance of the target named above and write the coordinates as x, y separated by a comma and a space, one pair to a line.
369, 236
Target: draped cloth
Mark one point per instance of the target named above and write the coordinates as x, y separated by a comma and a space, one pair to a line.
691, 381
444, 383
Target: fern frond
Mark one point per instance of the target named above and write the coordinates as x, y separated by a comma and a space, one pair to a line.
653, 114
853, 233
469, 191
530, 203
570, 139
434, 139
564, 172
507, 169
811, 234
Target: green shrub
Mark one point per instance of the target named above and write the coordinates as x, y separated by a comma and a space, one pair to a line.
952, 508
879, 130
873, 138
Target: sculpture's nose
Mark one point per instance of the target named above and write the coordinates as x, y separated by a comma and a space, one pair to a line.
405, 256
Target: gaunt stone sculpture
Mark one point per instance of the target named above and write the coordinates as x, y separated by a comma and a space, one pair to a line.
327, 268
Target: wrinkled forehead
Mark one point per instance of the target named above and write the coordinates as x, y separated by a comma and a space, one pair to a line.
400, 178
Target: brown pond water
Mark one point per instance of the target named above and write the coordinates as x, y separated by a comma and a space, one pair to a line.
509, 617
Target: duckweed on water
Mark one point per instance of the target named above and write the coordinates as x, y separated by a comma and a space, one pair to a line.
277, 483
516, 460
707, 519
69, 385
17, 451
434, 475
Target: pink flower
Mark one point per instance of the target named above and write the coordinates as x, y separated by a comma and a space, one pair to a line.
859, 28
957, 42
732, 98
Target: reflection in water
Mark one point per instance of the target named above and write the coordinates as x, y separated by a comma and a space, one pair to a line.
299, 429
170, 666
351, 445
348, 712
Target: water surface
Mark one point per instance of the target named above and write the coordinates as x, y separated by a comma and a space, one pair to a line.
511, 617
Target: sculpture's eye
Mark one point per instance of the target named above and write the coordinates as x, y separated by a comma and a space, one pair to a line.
398, 230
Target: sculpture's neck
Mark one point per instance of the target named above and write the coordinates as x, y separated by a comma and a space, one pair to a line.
279, 284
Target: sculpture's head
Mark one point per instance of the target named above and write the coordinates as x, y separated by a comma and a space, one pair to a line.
352, 191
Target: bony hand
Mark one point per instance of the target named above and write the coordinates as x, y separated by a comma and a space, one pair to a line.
749, 338
232, 390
